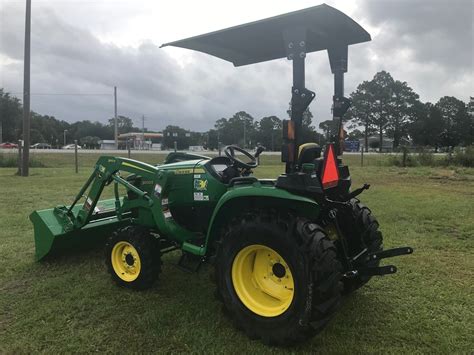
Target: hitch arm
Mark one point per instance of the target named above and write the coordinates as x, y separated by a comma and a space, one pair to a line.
377, 270
389, 253
358, 191
371, 271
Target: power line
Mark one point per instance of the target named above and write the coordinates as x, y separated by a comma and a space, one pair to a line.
59, 94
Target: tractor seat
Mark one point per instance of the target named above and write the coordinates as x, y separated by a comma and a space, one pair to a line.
308, 152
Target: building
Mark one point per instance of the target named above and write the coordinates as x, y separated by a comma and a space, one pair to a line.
107, 144
374, 141
387, 143
196, 148
139, 140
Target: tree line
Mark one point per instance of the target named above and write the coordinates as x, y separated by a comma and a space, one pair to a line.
381, 106
388, 107
48, 129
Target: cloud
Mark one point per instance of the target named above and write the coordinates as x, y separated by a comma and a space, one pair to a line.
429, 44
435, 31
80, 51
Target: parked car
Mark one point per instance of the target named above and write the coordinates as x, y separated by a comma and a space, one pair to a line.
8, 145
41, 146
71, 146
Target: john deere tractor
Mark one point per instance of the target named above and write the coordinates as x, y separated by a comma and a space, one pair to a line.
284, 250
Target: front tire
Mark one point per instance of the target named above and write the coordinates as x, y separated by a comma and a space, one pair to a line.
279, 278
133, 258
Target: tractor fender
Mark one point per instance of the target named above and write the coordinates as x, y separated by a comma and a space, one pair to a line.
256, 196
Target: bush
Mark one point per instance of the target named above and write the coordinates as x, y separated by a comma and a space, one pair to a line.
397, 160
460, 157
464, 157
425, 157
11, 161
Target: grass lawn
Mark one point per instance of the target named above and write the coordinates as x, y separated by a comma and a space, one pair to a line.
70, 304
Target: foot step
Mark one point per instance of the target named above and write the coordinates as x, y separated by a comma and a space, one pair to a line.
189, 262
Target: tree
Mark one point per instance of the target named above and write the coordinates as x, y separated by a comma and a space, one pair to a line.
236, 129
124, 124
456, 122
81, 129
401, 109
10, 117
470, 114
381, 86
50, 128
213, 141
270, 132
327, 128
383, 104
426, 126
361, 112
355, 135
36, 136
90, 142
243, 122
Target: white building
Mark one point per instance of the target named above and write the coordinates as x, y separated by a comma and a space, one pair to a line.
107, 144
139, 140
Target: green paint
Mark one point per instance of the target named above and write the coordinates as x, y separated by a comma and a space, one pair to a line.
197, 200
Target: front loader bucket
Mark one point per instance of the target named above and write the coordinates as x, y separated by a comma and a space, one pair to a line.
54, 234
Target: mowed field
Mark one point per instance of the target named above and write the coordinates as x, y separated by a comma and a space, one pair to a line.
69, 304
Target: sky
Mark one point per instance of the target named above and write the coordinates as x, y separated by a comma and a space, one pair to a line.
81, 49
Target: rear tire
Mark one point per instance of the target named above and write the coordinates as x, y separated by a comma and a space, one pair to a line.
244, 285
133, 258
361, 231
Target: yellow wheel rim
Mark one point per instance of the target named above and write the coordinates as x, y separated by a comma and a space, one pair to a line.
126, 261
262, 280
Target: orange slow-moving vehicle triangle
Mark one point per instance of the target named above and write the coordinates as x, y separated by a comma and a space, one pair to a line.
330, 170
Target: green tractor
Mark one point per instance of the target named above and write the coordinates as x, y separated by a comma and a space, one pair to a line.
284, 250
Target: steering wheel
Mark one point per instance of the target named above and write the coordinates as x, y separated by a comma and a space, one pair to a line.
230, 152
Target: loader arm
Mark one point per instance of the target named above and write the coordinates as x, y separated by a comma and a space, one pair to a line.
79, 225
106, 171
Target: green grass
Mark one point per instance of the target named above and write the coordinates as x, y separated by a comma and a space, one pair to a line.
70, 304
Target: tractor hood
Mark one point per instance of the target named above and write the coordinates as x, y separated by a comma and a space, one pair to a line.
182, 164
260, 41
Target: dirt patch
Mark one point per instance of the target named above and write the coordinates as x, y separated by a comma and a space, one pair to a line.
15, 286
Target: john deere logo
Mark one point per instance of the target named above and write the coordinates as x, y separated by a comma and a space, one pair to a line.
200, 185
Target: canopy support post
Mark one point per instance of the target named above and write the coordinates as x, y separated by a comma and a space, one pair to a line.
338, 62
295, 43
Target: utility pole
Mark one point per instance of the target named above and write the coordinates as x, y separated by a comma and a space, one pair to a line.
143, 132
115, 118
26, 93
245, 134
273, 146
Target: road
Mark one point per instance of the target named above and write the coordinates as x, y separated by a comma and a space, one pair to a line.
98, 151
